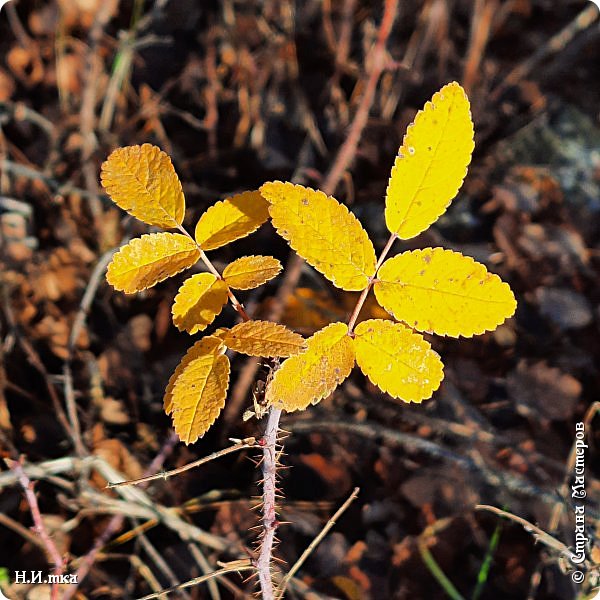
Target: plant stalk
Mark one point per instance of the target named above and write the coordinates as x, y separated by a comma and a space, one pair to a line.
365, 292
269, 510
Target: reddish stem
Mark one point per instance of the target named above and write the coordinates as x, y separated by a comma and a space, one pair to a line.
39, 527
237, 305
378, 61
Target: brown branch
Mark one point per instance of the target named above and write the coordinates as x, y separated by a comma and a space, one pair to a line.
235, 567
556, 43
378, 61
241, 445
78, 324
87, 114
39, 527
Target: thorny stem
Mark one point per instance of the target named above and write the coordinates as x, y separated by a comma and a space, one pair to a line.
269, 511
347, 151
269, 465
365, 292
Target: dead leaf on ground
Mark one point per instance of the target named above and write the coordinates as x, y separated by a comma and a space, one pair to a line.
543, 392
565, 307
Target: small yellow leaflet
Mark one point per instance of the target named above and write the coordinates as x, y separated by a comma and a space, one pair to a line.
443, 292
196, 391
231, 219
249, 272
309, 377
323, 232
263, 338
397, 360
142, 181
431, 163
199, 300
147, 260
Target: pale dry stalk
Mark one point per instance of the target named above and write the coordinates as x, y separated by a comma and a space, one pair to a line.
269, 509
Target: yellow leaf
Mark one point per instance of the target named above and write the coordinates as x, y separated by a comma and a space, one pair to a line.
442, 291
397, 360
323, 232
231, 219
431, 163
311, 376
147, 260
142, 181
196, 391
199, 300
263, 338
251, 271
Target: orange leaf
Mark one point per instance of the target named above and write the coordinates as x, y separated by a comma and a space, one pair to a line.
147, 260
196, 392
306, 378
142, 181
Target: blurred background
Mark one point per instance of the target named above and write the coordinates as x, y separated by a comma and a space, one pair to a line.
239, 93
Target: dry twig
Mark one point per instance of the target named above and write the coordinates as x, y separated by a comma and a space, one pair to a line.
310, 548
38, 521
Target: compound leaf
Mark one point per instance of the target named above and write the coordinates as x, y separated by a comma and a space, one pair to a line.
323, 232
431, 163
263, 338
196, 391
311, 376
397, 360
147, 260
199, 300
231, 219
444, 292
251, 271
142, 181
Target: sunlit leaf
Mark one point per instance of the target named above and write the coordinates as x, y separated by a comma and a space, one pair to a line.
323, 232
196, 392
251, 271
199, 300
397, 360
306, 378
263, 338
147, 260
444, 292
142, 181
231, 219
431, 163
